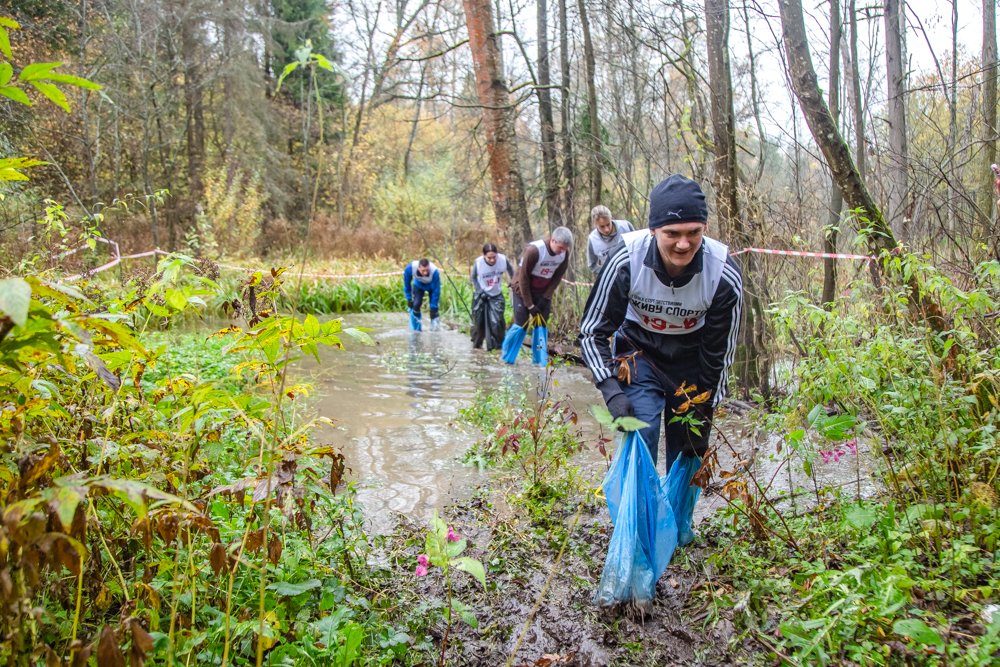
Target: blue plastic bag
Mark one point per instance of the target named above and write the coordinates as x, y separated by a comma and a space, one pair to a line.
682, 495
512, 343
645, 533
414, 321
540, 345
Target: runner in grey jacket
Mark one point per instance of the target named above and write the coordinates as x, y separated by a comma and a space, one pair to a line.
605, 237
670, 298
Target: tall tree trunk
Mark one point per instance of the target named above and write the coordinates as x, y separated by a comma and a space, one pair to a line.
755, 96
568, 168
836, 201
953, 129
723, 117
824, 130
595, 126
230, 23
898, 152
509, 204
860, 149
194, 111
988, 194
416, 120
550, 168
753, 365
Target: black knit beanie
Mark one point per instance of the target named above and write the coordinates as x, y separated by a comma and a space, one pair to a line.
676, 199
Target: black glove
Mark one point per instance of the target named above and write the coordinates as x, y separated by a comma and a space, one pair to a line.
434, 313
409, 304
620, 406
533, 310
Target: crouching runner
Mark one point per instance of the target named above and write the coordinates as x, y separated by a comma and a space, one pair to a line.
535, 281
669, 299
488, 303
421, 277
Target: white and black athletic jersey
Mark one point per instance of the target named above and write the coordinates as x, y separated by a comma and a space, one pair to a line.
599, 247
488, 278
680, 321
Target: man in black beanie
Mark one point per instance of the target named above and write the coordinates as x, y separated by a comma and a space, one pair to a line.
670, 299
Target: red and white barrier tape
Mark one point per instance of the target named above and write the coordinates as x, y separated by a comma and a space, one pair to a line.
800, 253
796, 253
118, 258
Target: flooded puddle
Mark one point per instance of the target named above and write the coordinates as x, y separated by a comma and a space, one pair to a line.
402, 436
399, 403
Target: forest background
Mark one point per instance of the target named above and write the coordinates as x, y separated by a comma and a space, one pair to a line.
384, 153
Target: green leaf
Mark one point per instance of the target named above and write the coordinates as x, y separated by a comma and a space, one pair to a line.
285, 589
630, 423
175, 299
15, 297
470, 618
289, 68
807, 467
455, 548
311, 326
918, 631
15, 94
37, 69
6, 72
860, 517
5, 43
359, 334
816, 417
472, 566
601, 415
71, 80
9, 23
65, 503
53, 93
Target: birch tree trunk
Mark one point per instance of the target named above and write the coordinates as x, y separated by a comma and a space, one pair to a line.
509, 204
595, 126
836, 201
550, 168
898, 152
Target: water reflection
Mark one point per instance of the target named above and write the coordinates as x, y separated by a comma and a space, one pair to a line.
399, 403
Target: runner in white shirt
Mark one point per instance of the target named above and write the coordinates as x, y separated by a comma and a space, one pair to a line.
488, 303
605, 237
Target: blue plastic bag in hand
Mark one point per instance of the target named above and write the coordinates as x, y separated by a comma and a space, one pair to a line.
645, 533
540, 345
512, 343
682, 495
414, 320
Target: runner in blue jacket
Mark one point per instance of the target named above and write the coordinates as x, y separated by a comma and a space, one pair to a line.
421, 277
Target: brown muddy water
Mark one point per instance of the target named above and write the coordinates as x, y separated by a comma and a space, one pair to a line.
399, 400
403, 438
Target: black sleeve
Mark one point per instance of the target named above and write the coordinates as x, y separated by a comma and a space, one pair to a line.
721, 332
604, 313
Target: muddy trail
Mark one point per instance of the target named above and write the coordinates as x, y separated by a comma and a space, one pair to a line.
403, 438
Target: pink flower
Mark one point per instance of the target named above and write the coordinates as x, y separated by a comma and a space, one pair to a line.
422, 560
853, 446
452, 535
826, 456
837, 454
421, 571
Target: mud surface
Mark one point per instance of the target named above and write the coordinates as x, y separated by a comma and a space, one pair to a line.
675, 630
